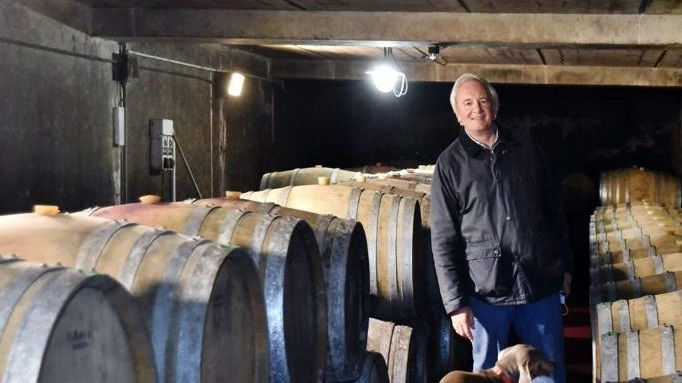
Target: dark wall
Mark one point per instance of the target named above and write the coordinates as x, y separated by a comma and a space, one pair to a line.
222, 137
55, 113
180, 94
583, 129
595, 129
350, 124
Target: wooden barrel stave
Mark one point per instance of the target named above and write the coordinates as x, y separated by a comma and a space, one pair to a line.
401, 355
642, 354
412, 271
394, 342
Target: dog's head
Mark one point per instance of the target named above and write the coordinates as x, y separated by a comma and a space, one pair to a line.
522, 363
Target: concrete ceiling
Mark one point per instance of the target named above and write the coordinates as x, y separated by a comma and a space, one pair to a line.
577, 42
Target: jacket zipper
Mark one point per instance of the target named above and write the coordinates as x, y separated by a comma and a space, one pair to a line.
492, 164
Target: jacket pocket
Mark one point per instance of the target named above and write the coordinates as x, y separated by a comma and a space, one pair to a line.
487, 269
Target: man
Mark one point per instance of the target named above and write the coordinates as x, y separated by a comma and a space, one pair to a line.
499, 238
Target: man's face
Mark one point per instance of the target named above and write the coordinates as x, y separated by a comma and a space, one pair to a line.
474, 107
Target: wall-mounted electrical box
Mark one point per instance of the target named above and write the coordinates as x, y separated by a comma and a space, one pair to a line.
161, 146
162, 155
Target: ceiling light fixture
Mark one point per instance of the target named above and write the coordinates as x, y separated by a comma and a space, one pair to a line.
433, 54
387, 78
236, 84
384, 77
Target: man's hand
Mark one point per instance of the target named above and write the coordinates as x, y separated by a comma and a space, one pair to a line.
463, 321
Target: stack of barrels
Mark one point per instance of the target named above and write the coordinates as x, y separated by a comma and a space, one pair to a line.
200, 305
310, 283
419, 178
407, 325
636, 278
222, 293
637, 185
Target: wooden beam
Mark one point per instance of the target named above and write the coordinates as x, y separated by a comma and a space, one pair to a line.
512, 74
385, 28
73, 14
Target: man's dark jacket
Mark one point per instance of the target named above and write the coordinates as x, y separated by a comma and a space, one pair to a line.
498, 231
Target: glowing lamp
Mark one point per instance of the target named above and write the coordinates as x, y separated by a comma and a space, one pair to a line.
236, 84
384, 77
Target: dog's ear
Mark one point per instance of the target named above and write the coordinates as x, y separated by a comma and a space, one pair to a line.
524, 371
539, 365
536, 365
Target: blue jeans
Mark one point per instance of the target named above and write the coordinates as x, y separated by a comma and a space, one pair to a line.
538, 324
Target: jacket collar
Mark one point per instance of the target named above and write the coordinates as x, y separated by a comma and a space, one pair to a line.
473, 148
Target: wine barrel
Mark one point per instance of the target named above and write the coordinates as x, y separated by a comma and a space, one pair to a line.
643, 354
423, 180
374, 369
304, 176
202, 302
402, 183
424, 347
639, 313
61, 325
395, 344
432, 290
290, 269
636, 268
636, 287
343, 247
374, 169
638, 186
423, 198
394, 238
650, 232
